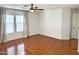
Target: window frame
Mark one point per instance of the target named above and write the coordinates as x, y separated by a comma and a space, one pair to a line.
15, 24
7, 23
21, 23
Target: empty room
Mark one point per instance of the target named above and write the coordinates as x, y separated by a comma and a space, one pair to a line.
39, 29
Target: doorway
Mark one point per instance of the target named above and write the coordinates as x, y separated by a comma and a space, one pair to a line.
75, 30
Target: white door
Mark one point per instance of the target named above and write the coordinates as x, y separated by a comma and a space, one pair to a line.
75, 26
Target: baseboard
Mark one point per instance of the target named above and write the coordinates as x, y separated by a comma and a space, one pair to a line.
73, 39
19, 38
49, 36
14, 39
34, 35
53, 37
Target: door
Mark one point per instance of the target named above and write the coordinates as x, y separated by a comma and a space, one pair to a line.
75, 26
74, 41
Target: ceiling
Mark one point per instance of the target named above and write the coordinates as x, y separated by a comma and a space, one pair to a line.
44, 6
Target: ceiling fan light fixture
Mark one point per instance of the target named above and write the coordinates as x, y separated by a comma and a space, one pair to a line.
31, 10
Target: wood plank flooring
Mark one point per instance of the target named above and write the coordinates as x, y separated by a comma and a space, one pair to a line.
39, 45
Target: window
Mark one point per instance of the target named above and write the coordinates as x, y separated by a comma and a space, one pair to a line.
10, 23
14, 23
19, 23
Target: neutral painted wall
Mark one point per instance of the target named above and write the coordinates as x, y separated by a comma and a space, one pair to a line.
78, 33
33, 19
50, 23
78, 27
66, 23
56, 23
75, 23
0, 28
75, 26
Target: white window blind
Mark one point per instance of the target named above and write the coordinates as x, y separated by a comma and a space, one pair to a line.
19, 23
14, 21
10, 23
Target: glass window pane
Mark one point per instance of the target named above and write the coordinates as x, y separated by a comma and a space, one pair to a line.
19, 23
10, 23
19, 27
19, 18
10, 28
9, 18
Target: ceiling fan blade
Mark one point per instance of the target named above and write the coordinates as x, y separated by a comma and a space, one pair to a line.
37, 9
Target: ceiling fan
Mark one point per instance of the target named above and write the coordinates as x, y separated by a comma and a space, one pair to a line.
34, 9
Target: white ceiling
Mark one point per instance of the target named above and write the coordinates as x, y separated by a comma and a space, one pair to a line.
44, 6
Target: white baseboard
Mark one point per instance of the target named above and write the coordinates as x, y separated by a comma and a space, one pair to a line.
14, 38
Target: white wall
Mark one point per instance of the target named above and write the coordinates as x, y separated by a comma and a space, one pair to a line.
78, 33
50, 23
66, 19
0, 28
78, 26
56, 23
75, 26
33, 23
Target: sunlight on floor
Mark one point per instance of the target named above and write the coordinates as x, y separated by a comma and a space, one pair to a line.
20, 49
11, 51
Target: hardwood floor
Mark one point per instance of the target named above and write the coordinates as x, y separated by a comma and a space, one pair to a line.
39, 45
